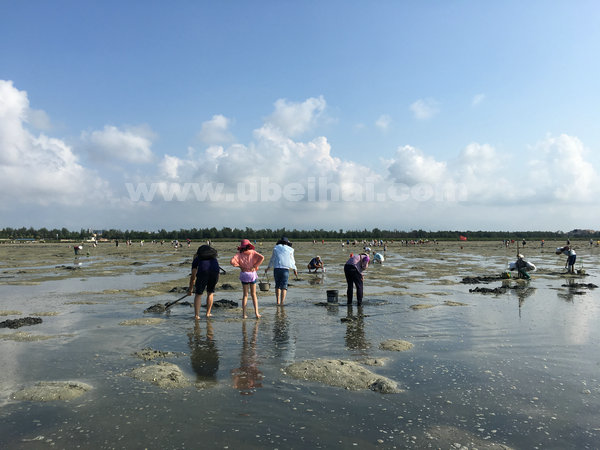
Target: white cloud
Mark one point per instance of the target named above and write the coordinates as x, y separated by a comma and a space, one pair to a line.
411, 166
130, 145
293, 119
560, 172
383, 122
216, 130
38, 169
485, 175
477, 99
549, 186
425, 108
39, 119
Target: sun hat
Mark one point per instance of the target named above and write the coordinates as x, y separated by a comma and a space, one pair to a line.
245, 244
284, 241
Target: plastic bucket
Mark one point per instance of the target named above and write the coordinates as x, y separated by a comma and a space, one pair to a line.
332, 296
264, 286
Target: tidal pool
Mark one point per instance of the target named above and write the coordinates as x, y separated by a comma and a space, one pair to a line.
512, 370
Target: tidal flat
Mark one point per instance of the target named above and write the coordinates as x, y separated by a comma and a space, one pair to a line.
513, 367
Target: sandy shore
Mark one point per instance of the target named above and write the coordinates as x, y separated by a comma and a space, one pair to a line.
419, 334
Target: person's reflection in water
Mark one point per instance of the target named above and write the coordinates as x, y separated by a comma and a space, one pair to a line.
571, 291
281, 335
248, 377
318, 279
523, 291
355, 330
204, 354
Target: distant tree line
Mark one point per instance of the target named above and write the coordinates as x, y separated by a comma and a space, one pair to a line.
227, 233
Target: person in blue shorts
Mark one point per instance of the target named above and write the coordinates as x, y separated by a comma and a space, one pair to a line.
282, 260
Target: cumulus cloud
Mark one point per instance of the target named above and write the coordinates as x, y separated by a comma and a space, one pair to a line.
278, 179
425, 108
485, 175
383, 122
216, 131
130, 145
411, 166
559, 170
38, 169
293, 118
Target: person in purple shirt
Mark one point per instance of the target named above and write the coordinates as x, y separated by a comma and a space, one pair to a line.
353, 270
205, 275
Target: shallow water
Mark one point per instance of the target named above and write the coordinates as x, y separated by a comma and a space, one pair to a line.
520, 368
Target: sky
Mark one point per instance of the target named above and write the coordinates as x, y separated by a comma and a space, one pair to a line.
433, 115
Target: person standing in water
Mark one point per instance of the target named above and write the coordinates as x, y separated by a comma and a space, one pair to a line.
248, 260
353, 270
205, 275
282, 260
571, 256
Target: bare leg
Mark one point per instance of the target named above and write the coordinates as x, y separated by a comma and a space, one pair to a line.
209, 303
244, 299
254, 299
283, 294
278, 296
197, 302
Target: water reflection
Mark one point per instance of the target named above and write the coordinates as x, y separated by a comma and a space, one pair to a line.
355, 329
283, 348
572, 290
317, 279
204, 354
248, 377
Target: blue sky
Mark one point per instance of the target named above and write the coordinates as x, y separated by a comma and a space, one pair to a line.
456, 115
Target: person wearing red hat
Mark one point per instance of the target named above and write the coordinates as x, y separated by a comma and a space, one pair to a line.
248, 260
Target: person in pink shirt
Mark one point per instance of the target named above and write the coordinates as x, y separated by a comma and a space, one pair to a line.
248, 260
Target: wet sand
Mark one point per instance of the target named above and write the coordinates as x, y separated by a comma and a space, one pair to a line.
512, 369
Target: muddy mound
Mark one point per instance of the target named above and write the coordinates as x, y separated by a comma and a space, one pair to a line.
345, 374
482, 290
483, 279
227, 287
163, 374
149, 354
179, 290
580, 285
63, 267
158, 308
46, 391
396, 345
224, 304
21, 322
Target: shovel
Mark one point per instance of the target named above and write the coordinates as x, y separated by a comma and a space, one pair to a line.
169, 304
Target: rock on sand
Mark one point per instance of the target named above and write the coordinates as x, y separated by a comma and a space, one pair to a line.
396, 345
163, 374
345, 374
46, 391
